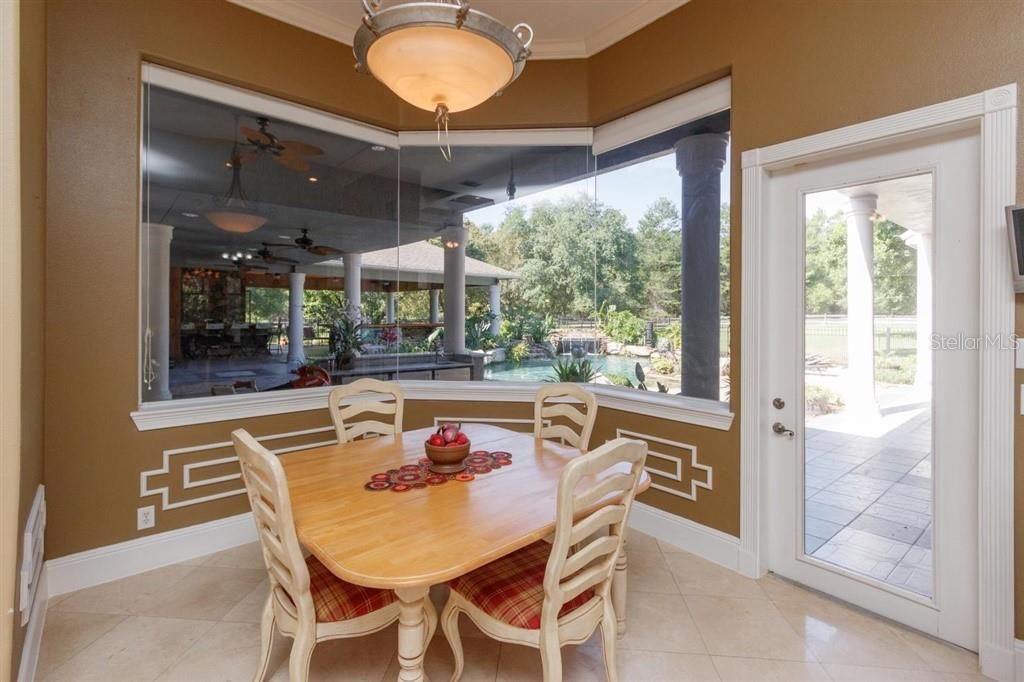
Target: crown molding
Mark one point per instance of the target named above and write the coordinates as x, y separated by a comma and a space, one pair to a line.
308, 16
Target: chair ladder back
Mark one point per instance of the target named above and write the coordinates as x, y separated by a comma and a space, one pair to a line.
543, 413
267, 489
388, 399
582, 557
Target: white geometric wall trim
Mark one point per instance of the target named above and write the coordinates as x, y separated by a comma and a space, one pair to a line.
188, 483
677, 475
484, 420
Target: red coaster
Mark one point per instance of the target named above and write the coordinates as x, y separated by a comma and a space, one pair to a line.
419, 475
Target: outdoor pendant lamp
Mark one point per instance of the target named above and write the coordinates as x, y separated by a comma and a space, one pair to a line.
440, 56
234, 212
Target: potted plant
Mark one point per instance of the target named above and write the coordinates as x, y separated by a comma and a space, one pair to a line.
348, 341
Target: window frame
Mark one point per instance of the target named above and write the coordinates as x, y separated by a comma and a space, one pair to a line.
690, 106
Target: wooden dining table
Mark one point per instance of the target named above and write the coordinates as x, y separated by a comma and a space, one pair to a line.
409, 541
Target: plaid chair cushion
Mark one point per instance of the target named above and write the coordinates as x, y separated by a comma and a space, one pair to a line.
334, 599
511, 588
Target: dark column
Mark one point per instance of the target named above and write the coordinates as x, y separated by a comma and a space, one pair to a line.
699, 160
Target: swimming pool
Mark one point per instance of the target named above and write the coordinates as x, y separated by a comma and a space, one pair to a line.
539, 370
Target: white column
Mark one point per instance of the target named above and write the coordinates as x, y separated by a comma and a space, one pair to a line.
435, 305
390, 309
353, 284
495, 296
455, 289
860, 311
923, 379
158, 268
296, 320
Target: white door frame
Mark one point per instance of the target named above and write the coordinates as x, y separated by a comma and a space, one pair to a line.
995, 113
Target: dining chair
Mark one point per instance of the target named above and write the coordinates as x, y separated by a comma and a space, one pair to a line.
390, 399
547, 596
543, 413
306, 602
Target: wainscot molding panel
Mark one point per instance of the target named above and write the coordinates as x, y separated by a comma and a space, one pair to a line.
33, 642
688, 488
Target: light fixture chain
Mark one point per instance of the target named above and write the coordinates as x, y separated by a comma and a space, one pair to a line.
441, 118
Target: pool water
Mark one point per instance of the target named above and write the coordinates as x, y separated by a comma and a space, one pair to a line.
539, 370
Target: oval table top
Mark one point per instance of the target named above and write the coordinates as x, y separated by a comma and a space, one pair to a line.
423, 536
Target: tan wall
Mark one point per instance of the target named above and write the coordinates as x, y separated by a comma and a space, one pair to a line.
797, 68
33, 227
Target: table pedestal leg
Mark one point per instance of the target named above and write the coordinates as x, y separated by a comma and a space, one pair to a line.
412, 633
619, 593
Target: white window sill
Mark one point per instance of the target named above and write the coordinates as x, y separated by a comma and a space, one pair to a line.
169, 414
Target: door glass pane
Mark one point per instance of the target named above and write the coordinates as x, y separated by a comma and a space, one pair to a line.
867, 381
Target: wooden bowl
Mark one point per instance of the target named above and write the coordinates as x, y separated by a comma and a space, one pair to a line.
447, 460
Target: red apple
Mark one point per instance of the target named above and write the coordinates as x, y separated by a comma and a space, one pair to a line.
461, 439
436, 440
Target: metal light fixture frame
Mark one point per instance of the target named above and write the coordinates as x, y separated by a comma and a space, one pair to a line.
455, 14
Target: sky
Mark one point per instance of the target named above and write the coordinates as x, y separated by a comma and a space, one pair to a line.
631, 190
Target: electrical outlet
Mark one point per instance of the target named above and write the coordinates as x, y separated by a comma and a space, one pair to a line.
147, 517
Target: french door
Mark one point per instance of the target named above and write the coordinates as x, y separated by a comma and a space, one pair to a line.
871, 294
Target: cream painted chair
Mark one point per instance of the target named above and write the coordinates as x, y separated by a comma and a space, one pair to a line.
390, 400
306, 601
543, 412
546, 596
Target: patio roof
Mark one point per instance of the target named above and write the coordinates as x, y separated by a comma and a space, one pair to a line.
420, 262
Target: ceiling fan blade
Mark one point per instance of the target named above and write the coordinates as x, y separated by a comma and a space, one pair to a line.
248, 156
322, 250
254, 133
282, 259
295, 163
296, 148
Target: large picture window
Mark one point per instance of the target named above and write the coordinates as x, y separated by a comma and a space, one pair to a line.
286, 249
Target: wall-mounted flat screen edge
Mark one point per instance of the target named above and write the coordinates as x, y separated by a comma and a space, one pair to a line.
1015, 225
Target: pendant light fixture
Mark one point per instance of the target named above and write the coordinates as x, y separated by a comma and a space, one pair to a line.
234, 212
440, 56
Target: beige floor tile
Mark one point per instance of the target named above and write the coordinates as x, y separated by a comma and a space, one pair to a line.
481, 659
938, 655
250, 608
243, 556
660, 666
356, 659
641, 542
522, 663
779, 589
67, 633
762, 669
227, 652
750, 628
860, 673
129, 596
839, 634
206, 593
660, 622
648, 572
139, 648
694, 575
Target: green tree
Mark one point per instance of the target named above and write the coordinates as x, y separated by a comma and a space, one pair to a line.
895, 271
659, 244
267, 304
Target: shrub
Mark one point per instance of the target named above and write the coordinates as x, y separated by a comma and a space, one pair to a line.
518, 352
574, 371
663, 366
893, 368
821, 400
622, 326
674, 333
618, 379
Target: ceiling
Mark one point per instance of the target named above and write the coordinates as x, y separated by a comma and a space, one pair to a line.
564, 29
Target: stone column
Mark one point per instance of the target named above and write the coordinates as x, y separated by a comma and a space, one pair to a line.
495, 295
158, 279
860, 308
455, 289
392, 305
435, 305
699, 160
925, 246
296, 319
353, 284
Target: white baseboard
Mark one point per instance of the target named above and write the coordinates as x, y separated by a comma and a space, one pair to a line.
998, 662
104, 564
1019, 656
34, 633
705, 542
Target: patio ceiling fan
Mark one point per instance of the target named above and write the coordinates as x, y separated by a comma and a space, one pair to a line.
289, 153
269, 256
306, 243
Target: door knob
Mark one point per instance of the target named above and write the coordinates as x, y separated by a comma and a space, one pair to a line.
780, 428
778, 403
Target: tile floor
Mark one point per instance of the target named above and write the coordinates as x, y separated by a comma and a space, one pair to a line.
688, 619
869, 506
